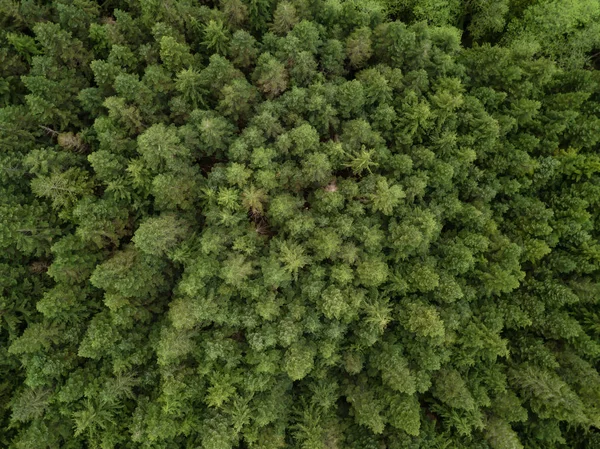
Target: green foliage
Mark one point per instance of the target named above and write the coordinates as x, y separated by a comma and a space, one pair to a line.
158, 236
270, 75
567, 31
216, 37
299, 223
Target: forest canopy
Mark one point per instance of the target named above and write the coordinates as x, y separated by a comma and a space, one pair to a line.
311, 224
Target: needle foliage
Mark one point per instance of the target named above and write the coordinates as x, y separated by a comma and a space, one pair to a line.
304, 224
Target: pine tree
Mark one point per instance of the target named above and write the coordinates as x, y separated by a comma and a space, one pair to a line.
304, 223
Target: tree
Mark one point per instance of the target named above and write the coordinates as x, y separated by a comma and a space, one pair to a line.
235, 11
358, 47
131, 273
160, 148
306, 223
565, 31
270, 75
332, 57
216, 37
175, 55
242, 49
238, 100
158, 236
284, 18
189, 83
63, 189
259, 12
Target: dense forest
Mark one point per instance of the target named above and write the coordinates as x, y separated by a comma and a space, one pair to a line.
311, 224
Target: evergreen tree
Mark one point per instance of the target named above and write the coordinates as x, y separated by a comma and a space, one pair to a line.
299, 223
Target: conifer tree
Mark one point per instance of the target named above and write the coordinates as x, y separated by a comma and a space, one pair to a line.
299, 223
